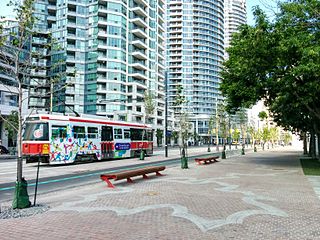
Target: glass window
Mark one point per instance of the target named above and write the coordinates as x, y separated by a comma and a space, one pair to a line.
59, 131
106, 134
79, 132
36, 132
117, 133
136, 134
126, 134
92, 132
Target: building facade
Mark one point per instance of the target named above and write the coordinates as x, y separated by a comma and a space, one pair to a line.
9, 92
112, 50
235, 15
195, 52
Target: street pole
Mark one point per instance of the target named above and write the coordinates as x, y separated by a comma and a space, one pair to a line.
230, 141
217, 129
51, 97
166, 116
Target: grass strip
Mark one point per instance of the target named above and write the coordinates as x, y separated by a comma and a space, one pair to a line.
310, 166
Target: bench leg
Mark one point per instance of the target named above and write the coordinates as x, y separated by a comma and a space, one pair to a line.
145, 176
129, 180
158, 174
110, 185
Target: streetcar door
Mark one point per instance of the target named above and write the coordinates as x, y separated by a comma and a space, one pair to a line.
106, 142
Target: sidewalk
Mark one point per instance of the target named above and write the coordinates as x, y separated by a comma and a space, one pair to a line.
260, 195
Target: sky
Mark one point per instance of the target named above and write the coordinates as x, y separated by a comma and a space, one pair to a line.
267, 5
4, 10
264, 4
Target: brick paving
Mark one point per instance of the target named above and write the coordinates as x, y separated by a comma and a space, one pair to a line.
260, 195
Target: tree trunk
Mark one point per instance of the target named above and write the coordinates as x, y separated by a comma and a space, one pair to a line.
19, 140
305, 144
312, 149
318, 140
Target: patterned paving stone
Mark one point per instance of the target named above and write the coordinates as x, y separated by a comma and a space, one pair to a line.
257, 196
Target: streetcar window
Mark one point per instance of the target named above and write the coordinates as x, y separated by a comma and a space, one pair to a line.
92, 132
36, 132
126, 133
136, 134
106, 133
79, 132
59, 131
117, 133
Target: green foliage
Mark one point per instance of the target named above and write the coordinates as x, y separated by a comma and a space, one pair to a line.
278, 62
287, 138
262, 115
223, 120
159, 135
211, 125
265, 134
149, 103
10, 125
274, 134
175, 135
236, 135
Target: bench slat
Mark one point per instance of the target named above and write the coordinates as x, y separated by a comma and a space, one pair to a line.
137, 172
207, 160
131, 173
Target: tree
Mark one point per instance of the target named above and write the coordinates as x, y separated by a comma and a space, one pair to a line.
210, 131
16, 57
20, 60
159, 135
265, 136
184, 124
278, 62
149, 107
287, 138
255, 135
274, 135
175, 136
263, 115
10, 125
236, 136
242, 116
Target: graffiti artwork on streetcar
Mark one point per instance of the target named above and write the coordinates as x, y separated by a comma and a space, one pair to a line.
57, 139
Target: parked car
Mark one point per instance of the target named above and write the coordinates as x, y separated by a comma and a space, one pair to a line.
3, 150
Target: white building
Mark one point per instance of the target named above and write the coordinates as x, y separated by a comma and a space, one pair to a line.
195, 51
235, 14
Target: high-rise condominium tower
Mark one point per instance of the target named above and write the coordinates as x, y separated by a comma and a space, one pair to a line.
113, 52
195, 51
235, 15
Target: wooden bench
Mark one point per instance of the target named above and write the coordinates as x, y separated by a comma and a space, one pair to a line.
206, 160
131, 173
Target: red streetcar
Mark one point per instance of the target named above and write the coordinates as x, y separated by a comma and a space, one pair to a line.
61, 139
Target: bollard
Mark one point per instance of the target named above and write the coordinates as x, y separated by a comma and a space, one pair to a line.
142, 155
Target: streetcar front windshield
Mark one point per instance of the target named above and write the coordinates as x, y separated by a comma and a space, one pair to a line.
36, 132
